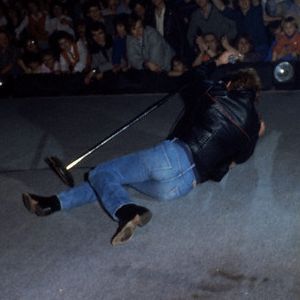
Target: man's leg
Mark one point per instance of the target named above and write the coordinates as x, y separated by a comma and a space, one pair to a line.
43, 206
163, 171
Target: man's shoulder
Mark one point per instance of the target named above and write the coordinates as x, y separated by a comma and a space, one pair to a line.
151, 33
149, 30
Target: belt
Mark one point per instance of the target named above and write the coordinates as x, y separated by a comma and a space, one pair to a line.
189, 154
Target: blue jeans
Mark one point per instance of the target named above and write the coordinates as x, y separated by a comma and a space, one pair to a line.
164, 172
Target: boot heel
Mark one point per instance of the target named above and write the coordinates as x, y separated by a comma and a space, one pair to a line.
29, 203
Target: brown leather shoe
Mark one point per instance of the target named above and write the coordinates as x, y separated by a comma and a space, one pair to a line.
130, 217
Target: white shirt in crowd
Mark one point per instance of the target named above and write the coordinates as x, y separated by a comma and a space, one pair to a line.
81, 64
160, 20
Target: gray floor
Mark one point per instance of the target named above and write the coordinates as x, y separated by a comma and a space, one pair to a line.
238, 239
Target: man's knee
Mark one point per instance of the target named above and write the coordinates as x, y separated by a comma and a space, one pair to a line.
102, 173
169, 194
95, 173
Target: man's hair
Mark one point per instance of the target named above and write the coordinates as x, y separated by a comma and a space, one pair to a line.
131, 22
133, 3
245, 79
291, 20
88, 4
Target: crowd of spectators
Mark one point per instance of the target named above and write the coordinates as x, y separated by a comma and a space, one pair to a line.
97, 37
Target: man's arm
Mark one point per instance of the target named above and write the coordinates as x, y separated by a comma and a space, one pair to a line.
261, 132
134, 55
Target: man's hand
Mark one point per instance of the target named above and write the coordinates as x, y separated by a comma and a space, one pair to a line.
223, 59
153, 67
201, 44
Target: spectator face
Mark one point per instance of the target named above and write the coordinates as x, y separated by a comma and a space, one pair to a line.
4, 41
34, 65
289, 28
31, 46
81, 29
94, 13
137, 30
202, 3
139, 10
157, 3
211, 42
33, 8
121, 30
244, 5
99, 36
64, 44
243, 46
178, 66
48, 61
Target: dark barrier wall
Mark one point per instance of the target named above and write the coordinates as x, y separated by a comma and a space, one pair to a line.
130, 82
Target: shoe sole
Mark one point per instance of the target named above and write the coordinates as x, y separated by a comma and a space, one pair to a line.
126, 233
32, 205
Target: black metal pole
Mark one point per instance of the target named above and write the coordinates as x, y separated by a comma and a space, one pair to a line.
63, 171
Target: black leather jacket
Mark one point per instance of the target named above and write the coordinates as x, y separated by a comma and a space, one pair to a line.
219, 126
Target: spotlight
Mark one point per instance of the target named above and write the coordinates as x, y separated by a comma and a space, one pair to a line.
284, 72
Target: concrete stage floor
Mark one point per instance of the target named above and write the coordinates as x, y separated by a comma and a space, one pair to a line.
237, 239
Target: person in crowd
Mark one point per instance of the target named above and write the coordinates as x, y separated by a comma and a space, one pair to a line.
101, 52
49, 64
277, 7
140, 9
14, 20
287, 46
30, 49
3, 18
167, 22
178, 67
111, 8
275, 32
119, 54
293, 10
146, 48
124, 7
73, 55
283, 9
59, 21
8, 54
93, 13
207, 18
249, 19
220, 130
244, 48
35, 23
80, 32
185, 8
33, 63
208, 46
